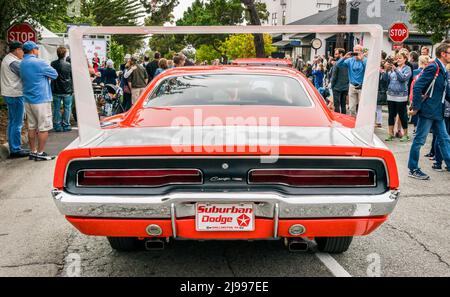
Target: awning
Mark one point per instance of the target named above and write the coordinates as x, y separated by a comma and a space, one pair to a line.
299, 35
282, 43
418, 39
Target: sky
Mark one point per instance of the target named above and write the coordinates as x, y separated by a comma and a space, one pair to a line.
181, 8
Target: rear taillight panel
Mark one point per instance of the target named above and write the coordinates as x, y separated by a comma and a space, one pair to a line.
172, 174
138, 177
314, 177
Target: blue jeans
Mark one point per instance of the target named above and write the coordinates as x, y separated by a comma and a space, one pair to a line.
438, 150
63, 122
423, 129
16, 110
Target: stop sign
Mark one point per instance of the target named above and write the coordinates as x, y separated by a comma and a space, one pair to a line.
21, 32
398, 32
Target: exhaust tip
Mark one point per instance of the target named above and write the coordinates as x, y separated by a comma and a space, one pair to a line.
154, 244
298, 245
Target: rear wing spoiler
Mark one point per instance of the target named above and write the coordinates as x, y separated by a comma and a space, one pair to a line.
88, 121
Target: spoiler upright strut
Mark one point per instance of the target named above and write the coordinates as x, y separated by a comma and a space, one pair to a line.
89, 124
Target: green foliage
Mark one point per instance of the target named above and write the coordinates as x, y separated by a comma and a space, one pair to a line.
116, 53
165, 44
206, 13
242, 46
207, 53
430, 16
210, 13
46, 12
262, 12
169, 55
117, 13
159, 11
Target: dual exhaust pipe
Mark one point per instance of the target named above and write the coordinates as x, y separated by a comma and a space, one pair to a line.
293, 244
298, 245
154, 244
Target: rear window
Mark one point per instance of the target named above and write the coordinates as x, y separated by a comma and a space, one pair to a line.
229, 89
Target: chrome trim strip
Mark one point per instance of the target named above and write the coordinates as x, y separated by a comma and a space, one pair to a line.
276, 217
173, 217
307, 206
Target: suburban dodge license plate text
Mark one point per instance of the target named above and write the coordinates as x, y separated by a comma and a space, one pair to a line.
224, 217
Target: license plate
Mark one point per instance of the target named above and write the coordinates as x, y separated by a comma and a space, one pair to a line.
224, 217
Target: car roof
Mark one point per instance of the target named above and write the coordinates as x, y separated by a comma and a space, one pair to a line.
232, 69
262, 61
317, 115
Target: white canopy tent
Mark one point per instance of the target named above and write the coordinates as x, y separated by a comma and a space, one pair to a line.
48, 43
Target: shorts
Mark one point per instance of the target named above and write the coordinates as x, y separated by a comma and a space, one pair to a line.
136, 93
39, 116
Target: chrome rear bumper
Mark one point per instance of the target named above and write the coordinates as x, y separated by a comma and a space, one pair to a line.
267, 205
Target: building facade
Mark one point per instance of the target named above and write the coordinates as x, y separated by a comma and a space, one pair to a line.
388, 12
283, 12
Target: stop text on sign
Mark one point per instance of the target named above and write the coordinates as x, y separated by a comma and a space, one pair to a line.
399, 32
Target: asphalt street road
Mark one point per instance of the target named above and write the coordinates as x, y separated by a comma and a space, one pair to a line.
35, 239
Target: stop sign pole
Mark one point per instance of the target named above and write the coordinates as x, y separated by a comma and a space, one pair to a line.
398, 33
21, 32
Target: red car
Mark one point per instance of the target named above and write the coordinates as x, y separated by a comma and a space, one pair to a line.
263, 62
220, 153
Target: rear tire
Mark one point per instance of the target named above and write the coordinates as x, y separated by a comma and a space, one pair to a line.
123, 244
333, 245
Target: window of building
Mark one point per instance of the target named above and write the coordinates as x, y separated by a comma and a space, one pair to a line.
274, 19
324, 4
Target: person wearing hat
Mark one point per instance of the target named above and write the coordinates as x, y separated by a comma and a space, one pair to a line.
36, 75
11, 90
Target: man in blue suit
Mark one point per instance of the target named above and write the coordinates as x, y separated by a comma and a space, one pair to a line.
429, 94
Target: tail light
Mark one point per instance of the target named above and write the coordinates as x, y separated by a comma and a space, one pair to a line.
314, 177
139, 177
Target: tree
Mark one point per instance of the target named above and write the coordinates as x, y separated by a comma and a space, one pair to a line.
243, 46
431, 16
255, 20
341, 20
214, 12
117, 13
159, 11
207, 53
116, 53
42, 11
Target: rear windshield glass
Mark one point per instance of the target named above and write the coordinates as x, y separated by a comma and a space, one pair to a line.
229, 89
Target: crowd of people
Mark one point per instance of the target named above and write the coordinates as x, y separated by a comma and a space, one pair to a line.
415, 88
25, 85
44, 93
